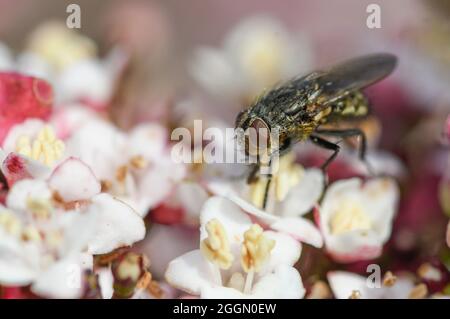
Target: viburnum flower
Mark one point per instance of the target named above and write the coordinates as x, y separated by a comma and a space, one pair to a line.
69, 61
128, 276
45, 257
51, 225
256, 54
135, 167
293, 192
356, 218
31, 150
347, 285
237, 259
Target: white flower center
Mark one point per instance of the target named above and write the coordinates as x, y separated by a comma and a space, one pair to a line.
46, 148
349, 216
40, 208
255, 252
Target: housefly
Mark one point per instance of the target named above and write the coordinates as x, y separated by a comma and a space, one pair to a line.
299, 109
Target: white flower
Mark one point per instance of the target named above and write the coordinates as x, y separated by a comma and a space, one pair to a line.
237, 259
48, 254
344, 284
69, 62
135, 167
31, 149
50, 230
356, 218
294, 191
257, 53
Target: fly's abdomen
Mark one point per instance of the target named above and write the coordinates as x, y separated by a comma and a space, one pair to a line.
353, 105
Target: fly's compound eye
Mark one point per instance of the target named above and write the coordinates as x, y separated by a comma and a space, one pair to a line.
257, 138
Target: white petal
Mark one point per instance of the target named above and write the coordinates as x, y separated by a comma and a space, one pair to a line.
287, 251
119, 225
229, 191
86, 79
301, 229
99, 145
106, 281
221, 292
156, 184
74, 180
79, 229
26, 189
190, 272
18, 263
302, 198
147, 140
61, 280
382, 195
343, 283
30, 127
284, 283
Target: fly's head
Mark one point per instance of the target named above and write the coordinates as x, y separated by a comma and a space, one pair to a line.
254, 134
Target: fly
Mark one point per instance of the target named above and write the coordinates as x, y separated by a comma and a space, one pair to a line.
297, 109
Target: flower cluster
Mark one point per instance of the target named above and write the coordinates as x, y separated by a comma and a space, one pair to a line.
90, 208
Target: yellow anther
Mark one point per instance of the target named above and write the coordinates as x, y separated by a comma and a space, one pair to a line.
54, 238
46, 148
59, 45
356, 294
40, 208
256, 249
31, 233
216, 247
10, 223
348, 217
257, 192
138, 162
121, 173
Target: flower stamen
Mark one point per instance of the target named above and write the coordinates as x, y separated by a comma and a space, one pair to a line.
256, 250
216, 247
348, 217
46, 148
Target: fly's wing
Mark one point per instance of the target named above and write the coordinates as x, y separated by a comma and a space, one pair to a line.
353, 75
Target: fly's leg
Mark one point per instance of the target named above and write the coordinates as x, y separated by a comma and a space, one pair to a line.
327, 145
266, 190
351, 133
252, 176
